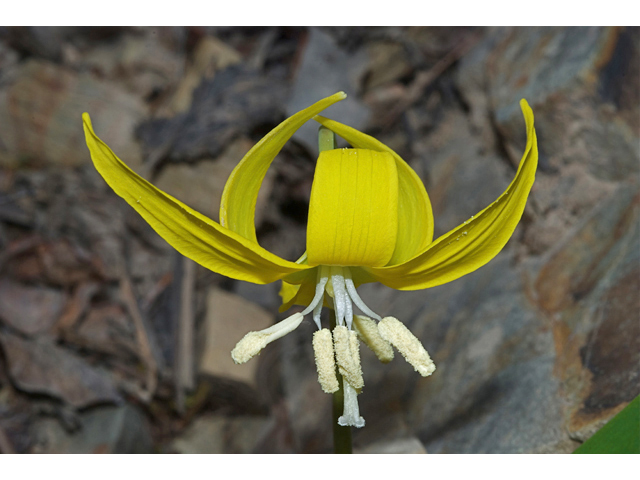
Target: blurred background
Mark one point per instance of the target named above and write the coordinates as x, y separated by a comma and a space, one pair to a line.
112, 342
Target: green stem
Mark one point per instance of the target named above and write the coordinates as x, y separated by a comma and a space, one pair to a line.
326, 139
341, 435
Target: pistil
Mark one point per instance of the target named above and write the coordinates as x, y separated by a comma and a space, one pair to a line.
351, 413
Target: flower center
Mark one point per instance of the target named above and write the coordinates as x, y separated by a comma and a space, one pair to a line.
338, 351
337, 283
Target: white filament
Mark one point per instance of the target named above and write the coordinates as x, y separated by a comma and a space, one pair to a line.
348, 314
344, 296
353, 293
317, 310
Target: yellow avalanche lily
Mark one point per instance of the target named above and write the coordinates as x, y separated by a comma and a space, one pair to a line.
370, 219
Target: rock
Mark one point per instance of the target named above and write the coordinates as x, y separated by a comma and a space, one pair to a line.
65, 264
235, 102
594, 307
77, 305
229, 318
104, 430
266, 296
53, 43
30, 310
17, 211
216, 434
148, 264
462, 178
389, 63
44, 42
41, 106
276, 436
494, 366
575, 267
581, 85
210, 56
107, 329
40, 366
8, 57
339, 71
403, 445
59, 263
136, 61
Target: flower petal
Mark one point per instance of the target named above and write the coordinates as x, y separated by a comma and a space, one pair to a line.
238, 205
475, 242
415, 217
191, 233
353, 212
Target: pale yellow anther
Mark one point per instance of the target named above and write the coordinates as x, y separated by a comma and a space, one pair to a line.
325, 362
345, 343
394, 331
367, 330
253, 342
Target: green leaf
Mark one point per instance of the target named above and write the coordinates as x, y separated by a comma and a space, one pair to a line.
620, 435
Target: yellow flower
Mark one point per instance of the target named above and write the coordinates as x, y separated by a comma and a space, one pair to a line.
370, 220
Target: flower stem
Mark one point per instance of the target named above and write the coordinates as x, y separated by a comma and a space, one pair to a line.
341, 435
326, 139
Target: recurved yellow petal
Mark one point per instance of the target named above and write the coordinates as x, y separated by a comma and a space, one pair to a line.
353, 212
191, 233
238, 205
475, 242
415, 217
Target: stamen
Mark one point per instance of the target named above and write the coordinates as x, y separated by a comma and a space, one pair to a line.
348, 315
253, 342
317, 311
368, 332
340, 296
351, 413
348, 356
325, 363
353, 293
394, 331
